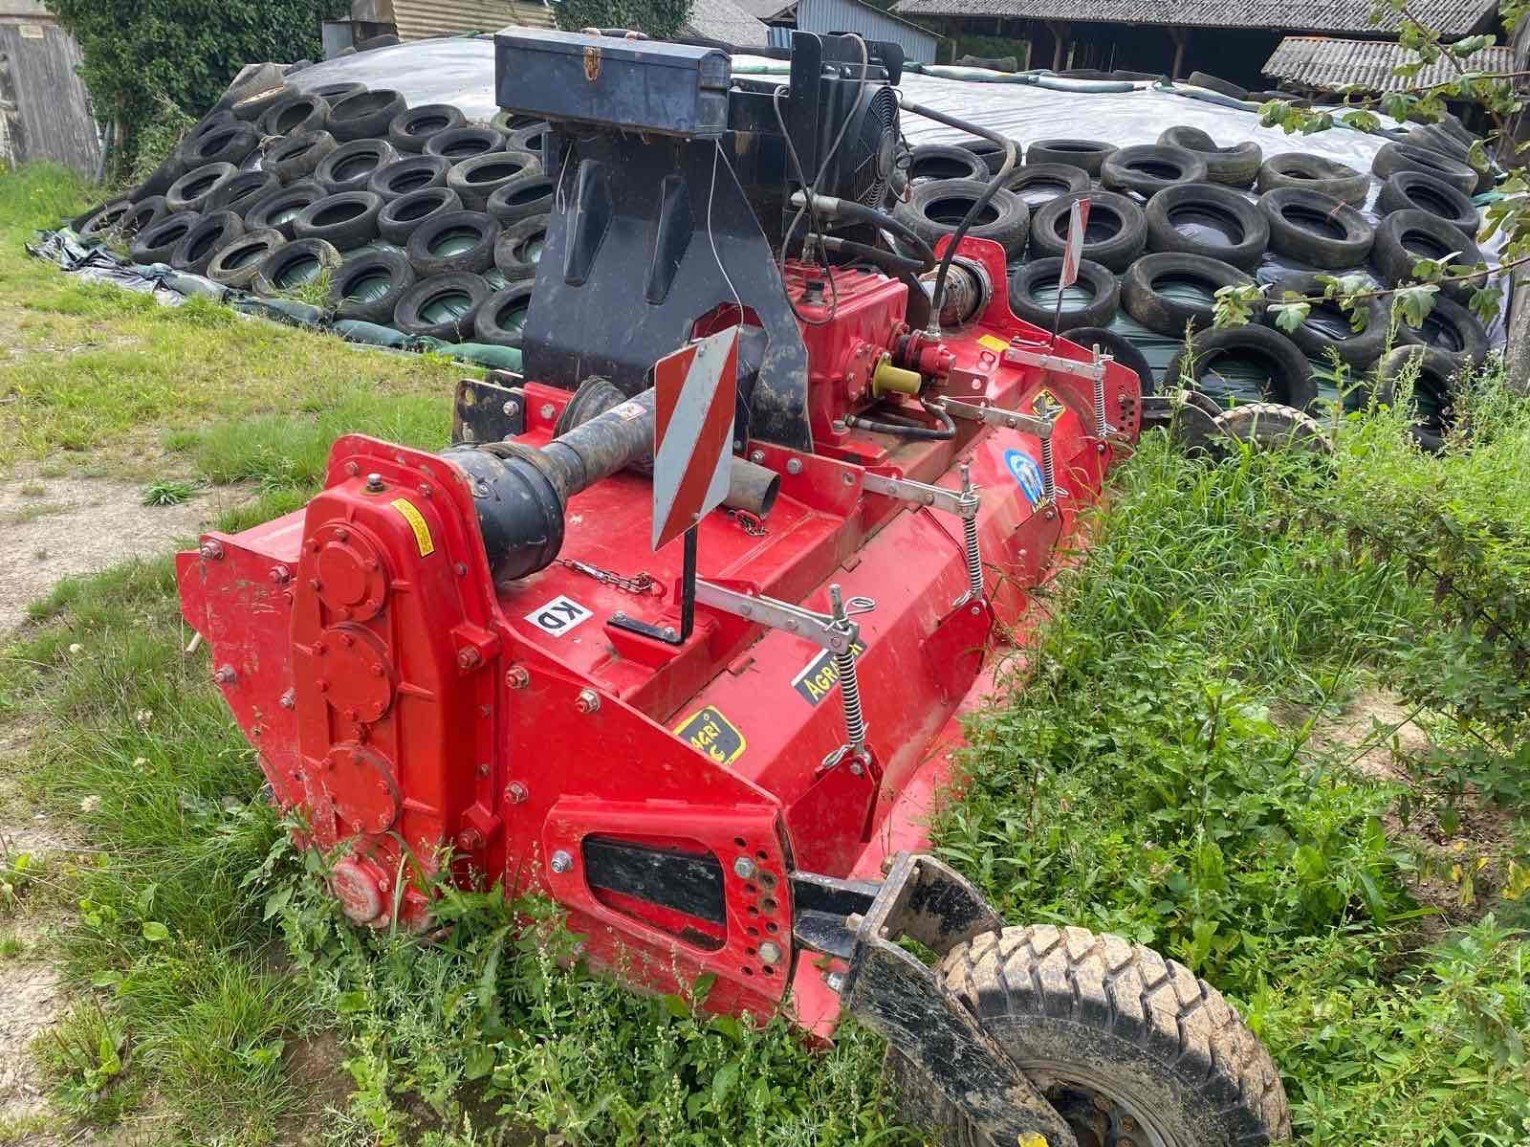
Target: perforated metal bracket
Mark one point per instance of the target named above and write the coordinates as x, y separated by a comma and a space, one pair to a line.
956, 502
998, 416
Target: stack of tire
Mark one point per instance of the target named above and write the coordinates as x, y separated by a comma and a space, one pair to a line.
420, 220
1173, 222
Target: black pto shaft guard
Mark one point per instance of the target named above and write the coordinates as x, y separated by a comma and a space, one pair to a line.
898, 996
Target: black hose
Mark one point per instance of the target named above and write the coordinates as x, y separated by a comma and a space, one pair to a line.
939, 294
860, 213
889, 261
906, 427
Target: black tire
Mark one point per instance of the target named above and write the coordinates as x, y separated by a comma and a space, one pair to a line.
236, 263
191, 191
280, 209
399, 217
1313, 173
351, 165
1235, 166
1435, 388
1405, 237
1087, 154
519, 248
226, 143
444, 307
250, 106
1316, 229
1115, 235
334, 93
1043, 274
522, 198
413, 128
364, 115
1207, 219
1451, 329
160, 179
369, 285
459, 143
1216, 84
297, 156
346, 220
298, 113
453, 243
158, 241
505, 122
144, 213
503, 314
295, 265
934, 210
1417, 190
941, 161
1394, 157
212, 119
197, 247
1143, 295
1120, 348
1271, 426
991, 153
475, 180
412, 173
1103, 1020
242, 192
1289, 374
105, 221
530, 138
1327, 329
1150, 168
1040, 183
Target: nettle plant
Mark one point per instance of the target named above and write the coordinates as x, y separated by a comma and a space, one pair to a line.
1497, 95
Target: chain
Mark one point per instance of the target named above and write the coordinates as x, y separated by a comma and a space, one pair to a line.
751, 524
640, 583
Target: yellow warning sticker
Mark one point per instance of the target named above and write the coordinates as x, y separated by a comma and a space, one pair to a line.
1045, 399
708, 731
411, 514
993, 342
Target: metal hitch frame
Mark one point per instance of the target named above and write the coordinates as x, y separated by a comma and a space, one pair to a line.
898, 996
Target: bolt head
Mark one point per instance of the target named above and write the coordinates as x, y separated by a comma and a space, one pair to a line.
794, 465
468, 657
512, 407
374, 482
744, 868
757, 456
225, 675
516, 677
836, 981
280, 575
516, 793
589, 701
211, 550
770, 952
548, 410
562, 861
289, 699
469, 839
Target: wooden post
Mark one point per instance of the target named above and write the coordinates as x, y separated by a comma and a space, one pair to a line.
1059, 33
1181, 37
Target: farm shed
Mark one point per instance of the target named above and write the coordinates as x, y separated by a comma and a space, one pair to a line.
824, 16
421, 19
1232, 40
1317, 64
44, 108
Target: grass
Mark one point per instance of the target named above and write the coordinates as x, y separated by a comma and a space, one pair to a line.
1164, 772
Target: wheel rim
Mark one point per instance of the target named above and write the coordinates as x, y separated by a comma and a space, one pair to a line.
1098, 1110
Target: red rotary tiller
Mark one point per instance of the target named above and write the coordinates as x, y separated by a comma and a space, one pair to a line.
721, 757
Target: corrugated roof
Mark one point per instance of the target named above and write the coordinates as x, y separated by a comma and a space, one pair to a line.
1451, 17
727, 23
421, 19
1332, 65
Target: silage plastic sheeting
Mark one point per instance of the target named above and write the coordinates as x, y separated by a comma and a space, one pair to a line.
455, 70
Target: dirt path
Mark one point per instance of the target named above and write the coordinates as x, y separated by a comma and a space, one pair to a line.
53, 528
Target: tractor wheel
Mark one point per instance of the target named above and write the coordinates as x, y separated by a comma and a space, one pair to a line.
1132, 1049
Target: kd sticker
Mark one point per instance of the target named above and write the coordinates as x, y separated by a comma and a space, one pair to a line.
1026, 471
559, 616
709, 732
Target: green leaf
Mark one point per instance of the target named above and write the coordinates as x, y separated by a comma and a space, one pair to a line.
155, 932
1414, 303
1289, 316
478, 1062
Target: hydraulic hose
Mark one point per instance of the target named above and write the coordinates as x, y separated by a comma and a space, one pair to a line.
889, 261
939, 293
860, 213
944, 430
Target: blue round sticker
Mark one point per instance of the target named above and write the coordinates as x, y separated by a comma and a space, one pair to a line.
1025, 470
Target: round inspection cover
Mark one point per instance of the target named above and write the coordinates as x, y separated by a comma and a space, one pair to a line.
356, 668
357, 890
351, 579
359, 783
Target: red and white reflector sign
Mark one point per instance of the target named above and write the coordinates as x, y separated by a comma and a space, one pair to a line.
1073, 252
694, 392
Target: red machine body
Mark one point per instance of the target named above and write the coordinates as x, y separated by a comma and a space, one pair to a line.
418, 717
